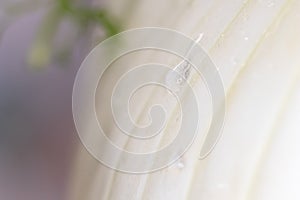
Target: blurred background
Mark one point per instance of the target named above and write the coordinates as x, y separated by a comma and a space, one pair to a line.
42, 45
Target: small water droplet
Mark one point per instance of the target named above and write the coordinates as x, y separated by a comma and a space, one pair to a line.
233, 60
178, 117
179, 81
221, 186
180, 165
175, 78
246, 38
268, 3
271, 3
173, 81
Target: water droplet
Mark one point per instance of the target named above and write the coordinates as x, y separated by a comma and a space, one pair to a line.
175, 78
221, 186
173, 81
268, 3
179, 81
178, 117
271, 3
180, 165
233, 60
246, 38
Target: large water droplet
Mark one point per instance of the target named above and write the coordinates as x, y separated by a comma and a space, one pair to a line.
176, 78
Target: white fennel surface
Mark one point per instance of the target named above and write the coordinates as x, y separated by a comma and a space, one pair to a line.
256, 46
